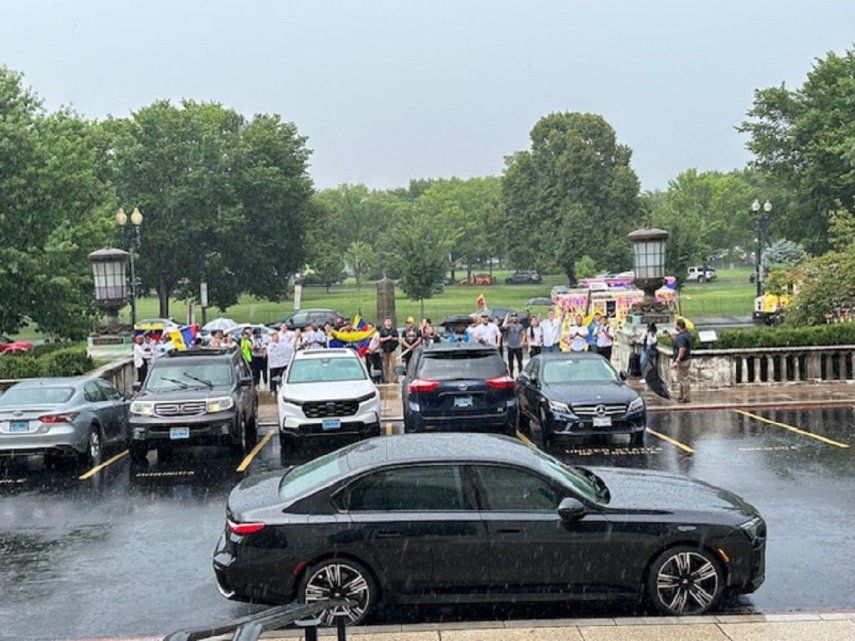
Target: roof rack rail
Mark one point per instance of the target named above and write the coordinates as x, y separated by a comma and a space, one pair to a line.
250, 627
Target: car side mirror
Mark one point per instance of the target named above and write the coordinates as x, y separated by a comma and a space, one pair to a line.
136, 387
623, 375
571, 509
246, 381
127, 396
522, 377
399, 370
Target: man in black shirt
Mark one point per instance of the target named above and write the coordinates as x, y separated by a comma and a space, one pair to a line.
681, 360
388, 345
411, 339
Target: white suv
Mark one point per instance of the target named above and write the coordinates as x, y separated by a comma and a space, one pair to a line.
327, 392
700, 275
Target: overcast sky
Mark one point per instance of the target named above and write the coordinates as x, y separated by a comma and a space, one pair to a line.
392, 90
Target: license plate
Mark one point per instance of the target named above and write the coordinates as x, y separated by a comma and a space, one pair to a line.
463, 401
331, 423
176, 433
19, 426
602, 421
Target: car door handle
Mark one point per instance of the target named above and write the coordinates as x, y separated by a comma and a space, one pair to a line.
388, 534
509, 530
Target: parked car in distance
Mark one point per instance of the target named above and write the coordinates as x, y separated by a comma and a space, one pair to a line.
316, 316
62, 417
700, 275
10, 346
503, 313
513, 524
200, 397
478, 279
327, 393
559, 290
458, 386
578, 394
524, 277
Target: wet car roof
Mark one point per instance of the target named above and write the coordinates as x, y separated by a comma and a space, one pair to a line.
66, 381
405, 448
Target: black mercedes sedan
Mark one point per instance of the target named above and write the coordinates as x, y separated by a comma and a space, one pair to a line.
578, 394
475, 518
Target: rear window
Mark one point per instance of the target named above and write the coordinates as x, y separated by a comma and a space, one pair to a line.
326, 370
35, 396
456, 365
306, 478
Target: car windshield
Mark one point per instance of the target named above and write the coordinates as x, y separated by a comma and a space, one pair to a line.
567, 475
461, 365
18, 396
169, 376
326, 370
578, 370
310, 476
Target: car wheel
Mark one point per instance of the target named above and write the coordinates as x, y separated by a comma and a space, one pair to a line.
238, 444
339, 578
545, 432
524, 423
92, 455
685, 581
637, 439
288, 444
252, 428
701, 279
138, 453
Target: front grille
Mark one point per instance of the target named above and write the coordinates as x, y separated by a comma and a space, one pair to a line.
599, 409
325, 409
181, 408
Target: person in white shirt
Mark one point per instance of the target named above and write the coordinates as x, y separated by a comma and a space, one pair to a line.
140, 362
313, 338
605, 336
551, 328
534, 337
287, 335
479, 332
576, 337
279, 354
493, 334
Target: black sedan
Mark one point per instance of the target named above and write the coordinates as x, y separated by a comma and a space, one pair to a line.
477, 518
578, 394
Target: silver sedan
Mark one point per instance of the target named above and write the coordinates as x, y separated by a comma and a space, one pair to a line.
62, 416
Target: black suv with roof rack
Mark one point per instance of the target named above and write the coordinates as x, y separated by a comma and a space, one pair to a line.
459, 386
201, 397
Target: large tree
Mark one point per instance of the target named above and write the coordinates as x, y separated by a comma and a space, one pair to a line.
573, 193
421, 247
224, 199
804, 139
54, 210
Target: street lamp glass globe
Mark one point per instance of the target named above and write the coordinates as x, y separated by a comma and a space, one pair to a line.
121, 218
767, 207
755, 206
136, 217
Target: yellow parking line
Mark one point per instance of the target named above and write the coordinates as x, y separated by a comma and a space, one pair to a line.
525, 439
258, 446
792, 429
100, 467
672, 441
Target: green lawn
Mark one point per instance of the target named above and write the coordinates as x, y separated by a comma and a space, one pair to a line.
730, 295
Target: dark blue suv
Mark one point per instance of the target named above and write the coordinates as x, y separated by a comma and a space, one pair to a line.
458, 386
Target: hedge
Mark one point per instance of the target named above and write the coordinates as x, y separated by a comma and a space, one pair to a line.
68, 361
818, 335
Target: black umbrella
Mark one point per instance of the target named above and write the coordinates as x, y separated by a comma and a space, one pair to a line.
456, 319
650, 372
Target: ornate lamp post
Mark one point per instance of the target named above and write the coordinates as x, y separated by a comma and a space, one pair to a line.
761, 220
131, 241
108, 269
648, 251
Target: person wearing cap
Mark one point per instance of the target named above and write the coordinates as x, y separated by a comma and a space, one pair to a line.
516, 340
410, 339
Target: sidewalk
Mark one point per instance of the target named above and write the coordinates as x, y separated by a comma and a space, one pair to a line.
745, 627
755, 396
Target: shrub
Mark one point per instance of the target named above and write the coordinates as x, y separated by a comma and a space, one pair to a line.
24, 366
67, 361
808, 335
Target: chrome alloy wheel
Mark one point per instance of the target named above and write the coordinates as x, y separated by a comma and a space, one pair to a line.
94, 449
338, 580
687, 583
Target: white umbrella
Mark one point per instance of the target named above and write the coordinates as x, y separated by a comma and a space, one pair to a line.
223, 324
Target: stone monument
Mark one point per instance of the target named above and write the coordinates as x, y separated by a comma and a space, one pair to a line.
386, 300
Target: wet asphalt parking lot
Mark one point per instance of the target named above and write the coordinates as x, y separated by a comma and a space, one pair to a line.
116, 551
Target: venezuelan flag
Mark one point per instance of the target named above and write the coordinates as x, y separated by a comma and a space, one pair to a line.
182, 338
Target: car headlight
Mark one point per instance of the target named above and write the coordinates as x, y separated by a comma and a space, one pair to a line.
292, 401
142, 408
220, 404
636, 405
752, 527
561, 408
367, 397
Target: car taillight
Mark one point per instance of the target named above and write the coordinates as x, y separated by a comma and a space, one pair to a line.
501, 382
242, 529
50, 419
423, 385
